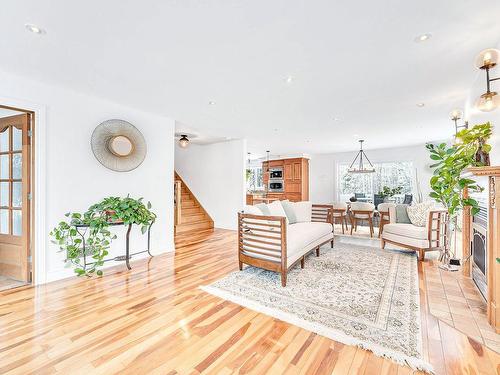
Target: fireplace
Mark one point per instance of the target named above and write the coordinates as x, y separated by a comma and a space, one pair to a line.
481, 239
479, 245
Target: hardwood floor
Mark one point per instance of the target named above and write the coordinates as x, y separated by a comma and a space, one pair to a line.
154, 319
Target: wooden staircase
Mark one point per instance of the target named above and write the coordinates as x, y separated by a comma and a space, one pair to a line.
190, 216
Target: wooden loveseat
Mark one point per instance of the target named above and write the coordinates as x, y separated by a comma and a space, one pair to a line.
270, 243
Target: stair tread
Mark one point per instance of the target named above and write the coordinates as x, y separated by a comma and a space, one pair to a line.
204, 220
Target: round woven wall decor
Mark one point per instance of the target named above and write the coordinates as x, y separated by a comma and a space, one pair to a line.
118, 145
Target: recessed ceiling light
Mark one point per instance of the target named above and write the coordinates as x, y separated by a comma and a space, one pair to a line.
211, 102
34, 29
289, 79
422, 38
420, 105
336, 119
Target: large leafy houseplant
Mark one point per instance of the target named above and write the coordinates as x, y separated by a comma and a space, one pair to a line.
98, 218
448, 182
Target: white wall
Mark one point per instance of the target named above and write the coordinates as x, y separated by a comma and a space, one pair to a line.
74, 179
215, 174
323, 169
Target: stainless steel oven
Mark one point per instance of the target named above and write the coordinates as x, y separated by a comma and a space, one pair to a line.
276, 186
276, 173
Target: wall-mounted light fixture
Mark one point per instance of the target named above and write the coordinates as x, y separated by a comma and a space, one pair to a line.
456, 115
183, 141
487, 60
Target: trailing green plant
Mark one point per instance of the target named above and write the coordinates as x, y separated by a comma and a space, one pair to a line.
476, 139
477, 136
98, 218
388, 192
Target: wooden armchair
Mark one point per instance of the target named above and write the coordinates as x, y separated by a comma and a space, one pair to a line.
421, 239
262, 240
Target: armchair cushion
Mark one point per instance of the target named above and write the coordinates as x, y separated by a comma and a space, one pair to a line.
406, 234
406, 230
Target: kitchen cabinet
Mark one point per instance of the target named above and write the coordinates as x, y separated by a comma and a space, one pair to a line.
295, 178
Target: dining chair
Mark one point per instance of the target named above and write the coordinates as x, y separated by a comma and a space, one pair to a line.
383, 211
340, 213
362, 211
408, 199
377, 199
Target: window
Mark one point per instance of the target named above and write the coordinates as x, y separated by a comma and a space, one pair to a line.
254, 179
392, 174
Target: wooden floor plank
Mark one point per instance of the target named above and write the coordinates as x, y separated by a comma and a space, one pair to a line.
154, 319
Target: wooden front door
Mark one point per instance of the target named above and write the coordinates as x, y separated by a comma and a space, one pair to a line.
14, 203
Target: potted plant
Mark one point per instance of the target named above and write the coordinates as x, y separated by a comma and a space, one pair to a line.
387, 192
98, 218
476, 138
447, 186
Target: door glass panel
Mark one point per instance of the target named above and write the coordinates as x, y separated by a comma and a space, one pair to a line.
17, 199
17, 165
4, 166
4, 194
4, 140
4, 221
17, 139
17, 222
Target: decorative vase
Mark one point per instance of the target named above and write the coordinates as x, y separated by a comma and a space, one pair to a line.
482, 156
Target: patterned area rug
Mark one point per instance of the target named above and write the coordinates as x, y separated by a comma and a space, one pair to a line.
353, 294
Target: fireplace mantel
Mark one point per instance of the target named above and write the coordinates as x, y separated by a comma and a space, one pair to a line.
493, 242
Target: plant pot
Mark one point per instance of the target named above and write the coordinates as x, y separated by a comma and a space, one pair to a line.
482, 157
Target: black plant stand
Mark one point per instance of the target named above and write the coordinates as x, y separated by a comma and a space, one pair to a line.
82, 229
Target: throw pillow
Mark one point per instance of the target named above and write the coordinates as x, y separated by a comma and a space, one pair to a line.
289, 211
276, 209
303, 211
264, 209
419, 213
252, 210
402, 214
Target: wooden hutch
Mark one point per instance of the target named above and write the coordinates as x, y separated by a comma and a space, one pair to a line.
492, 174
295, 178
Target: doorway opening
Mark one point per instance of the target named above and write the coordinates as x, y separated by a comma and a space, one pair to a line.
16, 181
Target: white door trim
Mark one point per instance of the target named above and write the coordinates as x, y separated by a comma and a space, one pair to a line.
39, 213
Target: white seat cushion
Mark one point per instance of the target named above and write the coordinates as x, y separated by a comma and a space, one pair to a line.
406, 234
301, 235
406, 230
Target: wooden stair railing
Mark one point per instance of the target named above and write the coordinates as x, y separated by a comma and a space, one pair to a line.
178, 201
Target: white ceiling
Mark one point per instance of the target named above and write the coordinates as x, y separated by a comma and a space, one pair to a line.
349, 59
